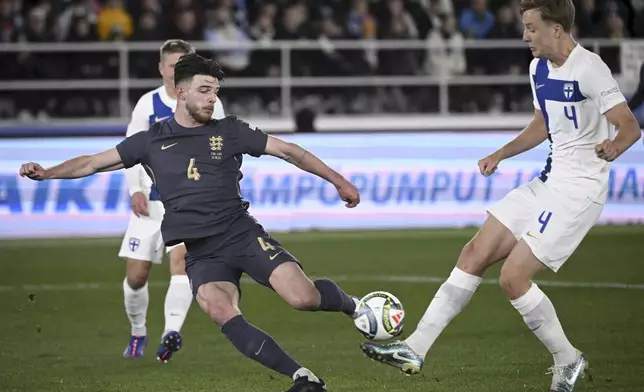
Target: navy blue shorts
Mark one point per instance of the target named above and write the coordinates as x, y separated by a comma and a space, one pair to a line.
254, 252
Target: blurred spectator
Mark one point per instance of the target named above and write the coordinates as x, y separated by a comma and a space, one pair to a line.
400, 27
144, 64
360, 23
503, 61
330, 61
36, 27
265, 62
638, 18
613, 26
445, 51
477, 21
586, 18
10, 21
147, 28
220, 29
76, 9
294, 27
113, 21
186, 27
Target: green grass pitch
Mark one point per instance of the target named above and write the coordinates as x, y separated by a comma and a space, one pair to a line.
63, 327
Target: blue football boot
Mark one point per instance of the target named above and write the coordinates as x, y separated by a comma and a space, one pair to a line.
136, 347
170, 343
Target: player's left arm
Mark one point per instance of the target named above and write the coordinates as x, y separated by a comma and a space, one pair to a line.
628, 133
257, 143
307, 161
598, 84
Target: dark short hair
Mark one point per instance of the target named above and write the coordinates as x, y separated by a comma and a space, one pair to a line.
555, 11
192, 64
175, 46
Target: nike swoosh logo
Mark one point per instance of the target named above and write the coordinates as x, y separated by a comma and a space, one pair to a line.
531, 236
260, 348
539, 86
164, 147
158, 119
275, 255
571, 380
399, 357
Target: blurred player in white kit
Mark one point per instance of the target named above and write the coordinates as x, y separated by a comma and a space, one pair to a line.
142, 244
578, 106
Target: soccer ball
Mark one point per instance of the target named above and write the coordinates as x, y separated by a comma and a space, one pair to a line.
382, 316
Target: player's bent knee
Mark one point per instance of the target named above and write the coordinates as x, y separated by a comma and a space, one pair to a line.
474, 258
138, 272
305, 299
513, 282
217, 303
178, 261
219, 310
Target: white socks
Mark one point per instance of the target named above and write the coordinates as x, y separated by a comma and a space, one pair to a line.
177, 302
136, 307
448, 302
540, 316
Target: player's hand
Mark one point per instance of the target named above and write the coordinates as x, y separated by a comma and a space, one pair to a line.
33, 171
349, 193
139, 204
489, 164
607, 150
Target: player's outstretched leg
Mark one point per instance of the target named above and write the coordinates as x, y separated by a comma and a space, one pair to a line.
177, 303
219, 300
492, 243
540, 316
136, 299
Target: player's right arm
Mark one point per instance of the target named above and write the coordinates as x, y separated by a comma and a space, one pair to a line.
82, 166
127, 154
534, 134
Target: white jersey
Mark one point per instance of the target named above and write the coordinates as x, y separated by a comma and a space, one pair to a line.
573, 99
154, 106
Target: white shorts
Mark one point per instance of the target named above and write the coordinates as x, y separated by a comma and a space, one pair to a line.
553, 223
143, 240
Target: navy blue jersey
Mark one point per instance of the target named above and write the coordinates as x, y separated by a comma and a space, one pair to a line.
197, 173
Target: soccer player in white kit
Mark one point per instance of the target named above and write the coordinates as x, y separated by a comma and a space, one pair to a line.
142, 244
578, 106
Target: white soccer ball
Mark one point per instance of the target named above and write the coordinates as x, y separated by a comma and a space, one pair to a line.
382, 316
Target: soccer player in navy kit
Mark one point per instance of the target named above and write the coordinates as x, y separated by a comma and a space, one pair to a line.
195, 163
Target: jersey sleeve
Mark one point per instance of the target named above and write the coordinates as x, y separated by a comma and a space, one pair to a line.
597, 84
252, 140
138, 123
133, 149
140, 120
533, 71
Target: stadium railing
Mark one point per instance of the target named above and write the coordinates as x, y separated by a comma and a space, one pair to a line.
631, 54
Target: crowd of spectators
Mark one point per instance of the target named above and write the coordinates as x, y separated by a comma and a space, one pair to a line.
443, 24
